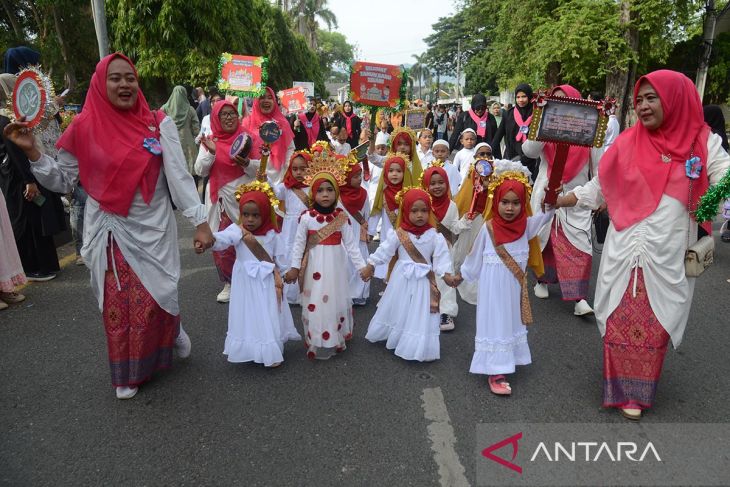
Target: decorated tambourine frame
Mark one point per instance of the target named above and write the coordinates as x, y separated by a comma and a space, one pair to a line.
33, 98
571, 121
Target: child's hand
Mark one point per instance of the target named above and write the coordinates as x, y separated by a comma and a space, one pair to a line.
366, 273
291, 276
449, 280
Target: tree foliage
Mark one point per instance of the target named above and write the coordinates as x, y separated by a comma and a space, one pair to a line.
335, 54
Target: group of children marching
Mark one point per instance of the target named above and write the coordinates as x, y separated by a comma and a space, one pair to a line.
304, 241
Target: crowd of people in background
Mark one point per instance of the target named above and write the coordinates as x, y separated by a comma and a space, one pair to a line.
293, 222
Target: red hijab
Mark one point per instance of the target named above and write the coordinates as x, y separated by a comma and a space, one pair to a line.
108, 144
289, 179
348, 118
632, 174
224, 169
313, 132
398, 137
353, 198
252, 122
409, 199
578, 157
268, 217
504, 231
392, 189
440, 204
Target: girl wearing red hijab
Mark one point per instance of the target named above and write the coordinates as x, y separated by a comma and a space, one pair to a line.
226, 175
567, 245
266, 108
436, 182
259, 322
355, 200
130, 162
498, 261
293, 193
411, 330
642, 294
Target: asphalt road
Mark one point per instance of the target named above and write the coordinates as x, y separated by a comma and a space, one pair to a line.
363, 418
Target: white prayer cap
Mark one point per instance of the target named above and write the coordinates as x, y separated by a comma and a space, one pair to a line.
382, 138
467, 130
441, 142
480, 145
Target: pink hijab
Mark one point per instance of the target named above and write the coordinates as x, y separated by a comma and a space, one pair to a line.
109, 145
578, 157
253, 121
632, 174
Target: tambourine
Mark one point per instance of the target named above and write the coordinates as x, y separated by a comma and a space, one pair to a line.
33, 98
269, 132
483, 167
241, 146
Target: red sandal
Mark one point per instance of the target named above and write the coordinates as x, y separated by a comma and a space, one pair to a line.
498, 385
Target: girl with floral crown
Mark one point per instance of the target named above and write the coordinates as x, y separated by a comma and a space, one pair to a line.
407, 317
354, 199
505, 246
436, 182
293, 193
256, 333
322, 245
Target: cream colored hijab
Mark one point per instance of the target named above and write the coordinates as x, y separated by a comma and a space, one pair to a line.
7, 82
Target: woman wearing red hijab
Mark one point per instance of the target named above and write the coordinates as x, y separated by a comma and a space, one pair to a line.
265, 109
225, 175
130, 162
642, 294
566, 242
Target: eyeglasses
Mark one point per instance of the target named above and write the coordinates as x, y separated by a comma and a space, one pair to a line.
228, 115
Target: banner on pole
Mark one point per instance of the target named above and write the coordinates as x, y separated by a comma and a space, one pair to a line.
243, 75
377, 85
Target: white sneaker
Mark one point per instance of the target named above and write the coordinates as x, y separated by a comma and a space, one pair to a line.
183, 344
124, 392
541, 291
225, 295
582, 308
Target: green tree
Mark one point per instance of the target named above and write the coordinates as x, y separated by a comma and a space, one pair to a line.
421, 72
305, 14
335, 54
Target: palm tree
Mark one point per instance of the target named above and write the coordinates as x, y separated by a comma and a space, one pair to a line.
421, 71
305, 14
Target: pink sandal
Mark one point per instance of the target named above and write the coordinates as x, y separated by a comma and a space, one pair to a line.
498, 385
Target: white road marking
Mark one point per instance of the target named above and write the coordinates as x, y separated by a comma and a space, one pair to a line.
441, 434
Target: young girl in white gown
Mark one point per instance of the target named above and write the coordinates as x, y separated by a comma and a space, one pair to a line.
504, 247
259, 319
323, 243
354, 199
294, 194
407, 317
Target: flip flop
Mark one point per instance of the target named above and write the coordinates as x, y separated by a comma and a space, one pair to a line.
498, 385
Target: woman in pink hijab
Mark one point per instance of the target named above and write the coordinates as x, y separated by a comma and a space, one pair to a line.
643, 297
566, 240
266, 108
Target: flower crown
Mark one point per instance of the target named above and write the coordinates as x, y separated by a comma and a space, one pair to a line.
402, 155
505, 169
437, 163
402, 194
260, 186
319, 146
400, 130
327, 162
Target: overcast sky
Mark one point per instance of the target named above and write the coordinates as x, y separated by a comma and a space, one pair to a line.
388, 31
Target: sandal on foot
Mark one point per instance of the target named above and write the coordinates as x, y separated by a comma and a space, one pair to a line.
498, 385
12, 298
631, 412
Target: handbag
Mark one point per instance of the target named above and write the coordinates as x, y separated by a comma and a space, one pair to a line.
700, 255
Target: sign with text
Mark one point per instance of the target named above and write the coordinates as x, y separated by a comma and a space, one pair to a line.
294, 99
376, 85
570, 121
242, 75
308, 87
416, 119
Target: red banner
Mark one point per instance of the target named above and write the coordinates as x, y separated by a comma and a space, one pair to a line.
242, 75
293, 99
376, 84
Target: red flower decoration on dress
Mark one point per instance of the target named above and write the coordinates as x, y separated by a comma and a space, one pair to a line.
311, 307
329, 218
342, 319
326, 335
316, 276
348, 336
311, 355
312, 213
320, 219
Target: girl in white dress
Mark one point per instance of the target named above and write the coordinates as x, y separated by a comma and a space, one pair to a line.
354, 199
259, 320
498, 261
322, 245
294, 194
407, 317
436, 182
